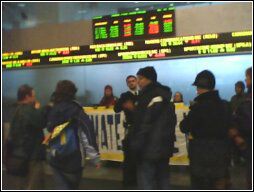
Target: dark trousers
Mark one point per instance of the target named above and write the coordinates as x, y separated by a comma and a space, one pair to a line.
249, 170
129, 167
206, 183
33, 181
66, 181
153, 175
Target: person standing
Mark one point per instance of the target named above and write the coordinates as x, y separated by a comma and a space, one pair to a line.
207, 124
71, 139
241, 130
153, 139
238, 98
235, 101
108, 99
126, 103
178, 97
24, 146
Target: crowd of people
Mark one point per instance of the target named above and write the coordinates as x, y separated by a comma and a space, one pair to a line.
212, 125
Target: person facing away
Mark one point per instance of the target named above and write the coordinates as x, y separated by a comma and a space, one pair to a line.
108, 99
72, 137
154, 130
24, 142
207, 124
238, 98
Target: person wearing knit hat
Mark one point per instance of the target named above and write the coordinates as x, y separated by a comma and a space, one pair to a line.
149, 73
153, 139
146, 75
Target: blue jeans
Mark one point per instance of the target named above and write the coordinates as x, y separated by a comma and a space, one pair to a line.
153, 175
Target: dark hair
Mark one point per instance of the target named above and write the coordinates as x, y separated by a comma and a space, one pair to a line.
108, 87
249, 72
181, 95
23, 91
240, 84
65, 91
130, 76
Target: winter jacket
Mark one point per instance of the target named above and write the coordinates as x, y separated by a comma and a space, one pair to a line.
155, 122
85, 134
208, 123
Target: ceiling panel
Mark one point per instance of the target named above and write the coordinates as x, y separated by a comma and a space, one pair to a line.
18, 15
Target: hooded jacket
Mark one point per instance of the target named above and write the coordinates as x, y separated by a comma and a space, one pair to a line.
155, 122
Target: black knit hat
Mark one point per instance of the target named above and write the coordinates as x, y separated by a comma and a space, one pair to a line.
149, 73
205, 79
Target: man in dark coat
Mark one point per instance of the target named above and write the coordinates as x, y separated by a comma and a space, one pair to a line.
207, 124
26, 152
239, 97
126, 103
153, 141
241, 130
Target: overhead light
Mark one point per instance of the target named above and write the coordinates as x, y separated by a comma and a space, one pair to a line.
21, 4
136, 2
82, 11
137, 9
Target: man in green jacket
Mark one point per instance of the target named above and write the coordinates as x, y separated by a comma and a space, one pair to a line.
26, 153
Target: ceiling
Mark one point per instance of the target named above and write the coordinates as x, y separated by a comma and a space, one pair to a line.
20, 15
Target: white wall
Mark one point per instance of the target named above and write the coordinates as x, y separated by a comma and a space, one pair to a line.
190, 21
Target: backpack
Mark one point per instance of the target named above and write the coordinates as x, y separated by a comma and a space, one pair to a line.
63, 140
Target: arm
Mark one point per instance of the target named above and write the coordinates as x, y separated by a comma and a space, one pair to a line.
87, 127
189, 121
241, 125
118, 106
89, 150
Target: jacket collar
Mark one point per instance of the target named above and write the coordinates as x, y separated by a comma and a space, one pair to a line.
149, 87
211, 95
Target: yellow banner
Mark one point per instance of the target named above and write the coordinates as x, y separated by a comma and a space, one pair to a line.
110, 133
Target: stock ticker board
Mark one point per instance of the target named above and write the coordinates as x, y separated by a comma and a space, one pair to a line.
134, 25
127, 51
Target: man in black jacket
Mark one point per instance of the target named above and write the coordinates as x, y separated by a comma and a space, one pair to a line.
207, 124
154, 131
126, 103
131, 95
241, 130
239, 97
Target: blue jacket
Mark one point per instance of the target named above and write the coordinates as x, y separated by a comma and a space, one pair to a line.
83, 126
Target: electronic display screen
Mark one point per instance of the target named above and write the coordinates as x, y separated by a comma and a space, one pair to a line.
134, 25
127, 51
